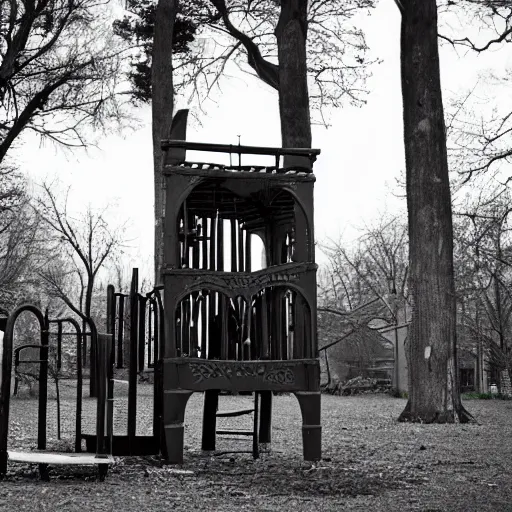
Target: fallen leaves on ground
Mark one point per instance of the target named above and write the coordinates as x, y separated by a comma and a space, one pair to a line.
370, 462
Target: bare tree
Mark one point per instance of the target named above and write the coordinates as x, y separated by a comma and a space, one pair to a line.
365, 283
86, 243
434, 395
480, 127
59, 70
23, 242
485, 278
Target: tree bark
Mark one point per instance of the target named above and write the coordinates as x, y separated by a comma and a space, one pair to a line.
162, 109
434, 395
291, 34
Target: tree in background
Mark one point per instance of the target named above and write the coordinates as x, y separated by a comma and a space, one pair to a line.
434, 395
208, 35
24, 246
363, 284
484, 279
86, 243
59, 70
480, 127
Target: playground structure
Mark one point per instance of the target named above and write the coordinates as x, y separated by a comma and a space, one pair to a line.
238, 330
101, 457
217, 324
142, 316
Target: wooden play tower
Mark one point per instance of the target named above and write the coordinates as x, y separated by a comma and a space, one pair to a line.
229, 327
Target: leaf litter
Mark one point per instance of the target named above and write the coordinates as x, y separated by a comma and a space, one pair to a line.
370, 463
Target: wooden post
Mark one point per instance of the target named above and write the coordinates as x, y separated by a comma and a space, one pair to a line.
59, 346
120, 332
103, 358
211, 403
255, 441
151, 361
111, 328
142, 332
265, 432
43, 387
79, 386
111, 320
132, 375
158, 425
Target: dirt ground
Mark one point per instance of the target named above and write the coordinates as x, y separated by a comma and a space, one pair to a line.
370, 463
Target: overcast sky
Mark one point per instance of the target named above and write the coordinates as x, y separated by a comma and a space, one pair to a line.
362, 152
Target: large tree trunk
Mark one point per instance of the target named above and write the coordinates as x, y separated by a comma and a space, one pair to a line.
291, 34
434, 395
162, 108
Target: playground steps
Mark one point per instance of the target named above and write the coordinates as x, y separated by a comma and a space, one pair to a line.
230, 414
236, 432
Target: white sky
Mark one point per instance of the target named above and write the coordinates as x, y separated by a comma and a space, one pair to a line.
362, 151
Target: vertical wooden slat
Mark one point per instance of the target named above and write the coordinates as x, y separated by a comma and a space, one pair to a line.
185, 259
292, 353
193, 322
179, 329
264, 326
212, 295
277, 318
298, 331
224, 339
284, 330
185, 326
241, 248
308, 339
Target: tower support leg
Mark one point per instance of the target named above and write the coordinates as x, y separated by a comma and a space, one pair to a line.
311, 428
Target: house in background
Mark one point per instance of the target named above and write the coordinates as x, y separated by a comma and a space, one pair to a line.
361, 352
397, 336
475, 373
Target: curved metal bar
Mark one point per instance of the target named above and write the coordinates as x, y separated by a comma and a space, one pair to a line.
79, 379
5, 380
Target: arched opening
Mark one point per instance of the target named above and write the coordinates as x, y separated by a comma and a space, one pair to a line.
211, 325
281, 325
218, 225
